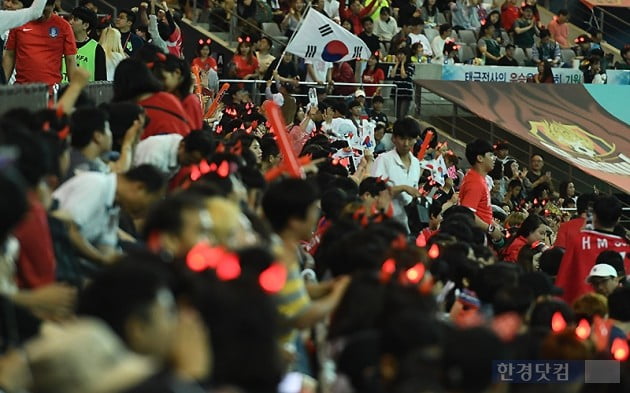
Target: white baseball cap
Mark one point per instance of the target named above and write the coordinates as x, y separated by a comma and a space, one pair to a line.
602, 270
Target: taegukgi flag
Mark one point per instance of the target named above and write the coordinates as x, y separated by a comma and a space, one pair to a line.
321, 38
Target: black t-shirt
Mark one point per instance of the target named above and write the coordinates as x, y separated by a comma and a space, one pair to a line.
285, 70
504, 61
379, 117
130, 42
371, 41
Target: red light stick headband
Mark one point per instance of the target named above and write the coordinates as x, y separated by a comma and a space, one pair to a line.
280, 131
425, 145
217, 100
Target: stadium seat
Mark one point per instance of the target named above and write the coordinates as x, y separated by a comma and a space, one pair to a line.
431, 34
519, 56
271, 29
568, 55
466, 53
467, 36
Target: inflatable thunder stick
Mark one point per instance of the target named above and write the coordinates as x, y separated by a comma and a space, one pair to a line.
425, 145
290, 162
217, 100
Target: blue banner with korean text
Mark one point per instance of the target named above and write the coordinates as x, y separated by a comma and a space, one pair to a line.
465, 72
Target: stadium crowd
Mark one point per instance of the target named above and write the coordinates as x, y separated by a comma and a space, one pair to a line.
181, 238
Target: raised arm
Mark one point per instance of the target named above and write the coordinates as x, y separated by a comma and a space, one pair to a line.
12, 19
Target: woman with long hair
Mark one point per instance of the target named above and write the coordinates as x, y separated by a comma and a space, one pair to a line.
494, 18
567, 191
544, 75
293, 17
245, 60
372, 74
430, 12
134, 82
531, 232
204, 61
114, 53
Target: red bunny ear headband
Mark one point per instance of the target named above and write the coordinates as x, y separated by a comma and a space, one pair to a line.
205, 42
244, 39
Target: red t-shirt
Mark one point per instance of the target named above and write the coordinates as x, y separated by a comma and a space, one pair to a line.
36, 263
581, 253
568, 230
205, 65
243, 67
510, 254
39, 48
376, 76
174, 43
192, 106
166, 115
509, 15
475, 195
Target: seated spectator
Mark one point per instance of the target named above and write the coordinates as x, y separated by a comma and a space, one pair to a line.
385, 27
488, 46
91, 198
168, 153
494, 18
91, 140
465, 15
355, 13
417, 54
603, 278
245, 60
373, 74
525, 29
431, 13
593, 71
559, 29
624, 64
451, 49
547, 50
530, 234
367, 35
293, 17
544, 75
437, 46
133, 81
535, 177
377, 114
508, 58
264, 57
383, 139
417, 35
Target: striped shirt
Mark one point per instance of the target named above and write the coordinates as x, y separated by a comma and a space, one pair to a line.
292, 301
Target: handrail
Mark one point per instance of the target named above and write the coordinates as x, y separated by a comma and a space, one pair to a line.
305, 83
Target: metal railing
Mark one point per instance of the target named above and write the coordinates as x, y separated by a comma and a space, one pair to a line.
32, 96
257, 93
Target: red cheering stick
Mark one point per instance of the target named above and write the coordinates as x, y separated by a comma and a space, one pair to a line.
195, 70
217, 100
280, 131
425, 145
276, 171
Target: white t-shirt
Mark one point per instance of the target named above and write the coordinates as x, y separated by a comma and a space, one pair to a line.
159, 151
112, 62
437, 46
321, 70
428, 51
389, 165
89, 198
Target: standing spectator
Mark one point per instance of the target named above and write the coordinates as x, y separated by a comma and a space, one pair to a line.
355, 13
287, 71
544, 75
170, 32
401, 167
401, 39
417, 35
342, 72
547, 50
90, 54
367, 35
385, 27
474, 192
36, 49
331, 7
535, 177
372, 74
572, 228
91, 139
318, 71
124, 22
438, 42
525, 29
114, 53
263, 56
583, 250
559, 29
531, 232
508, 58
465, 15
509, 14
294, 16
204, 61
402, 73
488, 46
245, 60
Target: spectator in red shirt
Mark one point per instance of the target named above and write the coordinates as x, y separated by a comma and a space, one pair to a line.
176, 76
355, 13
572, 228
204, 61
343, 73
134, 82
531, 231
372, 74
509, 14
474, 192
584, 248
35, 49
245, 60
